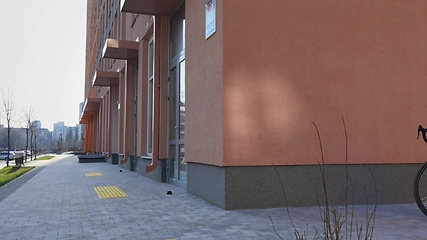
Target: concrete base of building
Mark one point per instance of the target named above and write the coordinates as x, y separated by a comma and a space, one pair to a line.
281, 186
113, 159
158, 174
128, 164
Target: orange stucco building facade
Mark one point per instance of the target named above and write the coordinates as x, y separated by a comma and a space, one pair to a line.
233, 115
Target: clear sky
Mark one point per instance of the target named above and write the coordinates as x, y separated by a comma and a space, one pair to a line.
42, 59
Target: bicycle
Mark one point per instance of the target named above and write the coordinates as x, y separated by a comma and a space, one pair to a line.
420, 182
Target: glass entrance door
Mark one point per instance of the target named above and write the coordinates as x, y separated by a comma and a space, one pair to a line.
177, 164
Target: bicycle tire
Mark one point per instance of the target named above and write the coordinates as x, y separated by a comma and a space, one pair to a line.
420, 188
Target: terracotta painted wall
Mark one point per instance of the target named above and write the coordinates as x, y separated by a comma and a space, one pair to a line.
141, 102
288, 63
128, 31
204, 124
114, 120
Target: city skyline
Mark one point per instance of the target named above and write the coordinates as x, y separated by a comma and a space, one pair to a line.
62, 138
39, 124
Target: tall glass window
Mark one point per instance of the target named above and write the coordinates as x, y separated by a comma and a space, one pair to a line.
181, 99
177, 163
150, 100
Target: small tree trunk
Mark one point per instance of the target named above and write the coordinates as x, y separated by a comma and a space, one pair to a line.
8, 143
31, 146
26, 144
35, 147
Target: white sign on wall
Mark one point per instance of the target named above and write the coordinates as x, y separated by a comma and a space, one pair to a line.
210, 27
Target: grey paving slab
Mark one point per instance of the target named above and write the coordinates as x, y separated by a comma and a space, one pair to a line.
58, 201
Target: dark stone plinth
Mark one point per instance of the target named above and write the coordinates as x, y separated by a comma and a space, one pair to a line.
79, 153
90, 158
114, 159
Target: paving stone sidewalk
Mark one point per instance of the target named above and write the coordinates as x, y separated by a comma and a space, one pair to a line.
57, 200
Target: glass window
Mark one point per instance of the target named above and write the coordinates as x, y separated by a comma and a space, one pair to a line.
181, 99
150, 100
172, 97
182, 164
172, 155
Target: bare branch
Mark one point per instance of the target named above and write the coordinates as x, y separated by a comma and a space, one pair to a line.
8, 109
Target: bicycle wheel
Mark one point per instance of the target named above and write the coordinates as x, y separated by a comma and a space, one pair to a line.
420, 188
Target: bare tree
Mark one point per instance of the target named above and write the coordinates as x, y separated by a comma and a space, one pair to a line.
8, 109
28, 117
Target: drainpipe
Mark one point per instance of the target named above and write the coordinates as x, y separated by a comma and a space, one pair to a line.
156, 94
155, 158
126, 157
156, 122
154, 164
109, 134
109, 146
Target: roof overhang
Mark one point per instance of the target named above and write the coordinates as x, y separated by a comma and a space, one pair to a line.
150, 7
120, 49
85, 118
105, 79
91, 105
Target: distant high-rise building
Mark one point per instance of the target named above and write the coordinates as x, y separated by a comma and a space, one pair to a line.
80, 131
44, 139
37, 124
58, 130
81, 106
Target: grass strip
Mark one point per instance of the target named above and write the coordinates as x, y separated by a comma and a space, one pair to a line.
8, 174
45, 158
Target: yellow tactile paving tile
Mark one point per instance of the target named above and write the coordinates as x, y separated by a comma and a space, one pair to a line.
110, 192
96, 174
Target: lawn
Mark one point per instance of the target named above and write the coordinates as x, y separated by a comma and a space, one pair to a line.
8, 174
45, 158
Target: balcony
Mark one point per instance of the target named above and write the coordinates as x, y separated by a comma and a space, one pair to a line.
150, 7
120, 49
105, 79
